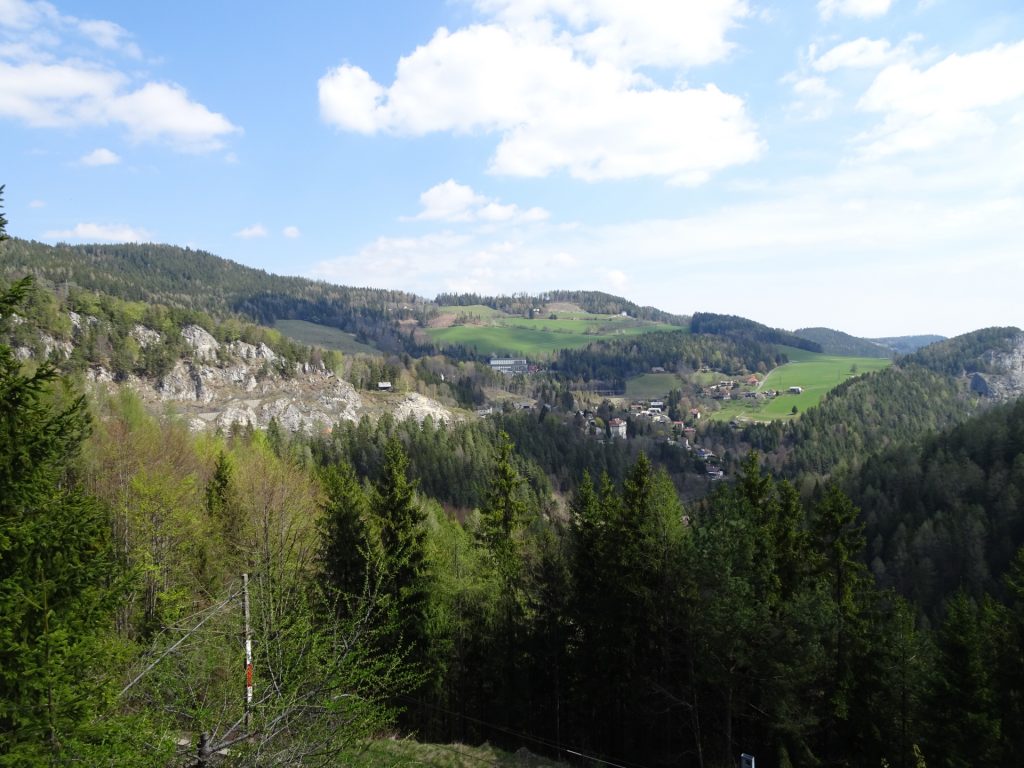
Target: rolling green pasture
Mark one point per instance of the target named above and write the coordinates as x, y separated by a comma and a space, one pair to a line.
519, 335
323, 336
472, 309
815, 373
651, 386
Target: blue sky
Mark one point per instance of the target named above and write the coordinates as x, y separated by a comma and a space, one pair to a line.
857, 164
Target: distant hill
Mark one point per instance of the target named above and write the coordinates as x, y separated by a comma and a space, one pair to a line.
904, 345
838, 343
977, 352
197, 280
739, 327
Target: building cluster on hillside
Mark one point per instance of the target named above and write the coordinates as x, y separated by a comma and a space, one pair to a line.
631, 420
510, 365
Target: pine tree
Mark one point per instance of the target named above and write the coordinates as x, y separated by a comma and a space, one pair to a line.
3, 219
400, 536
344, 536
58, 579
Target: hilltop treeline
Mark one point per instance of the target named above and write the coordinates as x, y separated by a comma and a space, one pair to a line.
595, 302
970, 353
838, 343
741, 328
196, 280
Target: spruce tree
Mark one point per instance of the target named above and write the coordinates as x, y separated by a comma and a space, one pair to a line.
56, 566
401, 536
344, 536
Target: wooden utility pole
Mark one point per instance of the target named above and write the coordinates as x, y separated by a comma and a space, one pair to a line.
248, 655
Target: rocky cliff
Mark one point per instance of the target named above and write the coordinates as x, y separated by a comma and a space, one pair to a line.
218, 386
1004, 377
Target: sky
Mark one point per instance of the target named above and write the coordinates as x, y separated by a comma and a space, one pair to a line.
854, 164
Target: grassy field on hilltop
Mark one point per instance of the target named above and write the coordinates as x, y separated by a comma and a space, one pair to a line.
499, 333
815, 373
650, 386
323, 336
479, 310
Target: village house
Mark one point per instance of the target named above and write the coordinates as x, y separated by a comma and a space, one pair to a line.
510, 365
617, 428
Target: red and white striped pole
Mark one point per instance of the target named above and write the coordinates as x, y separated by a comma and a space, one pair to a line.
248, 654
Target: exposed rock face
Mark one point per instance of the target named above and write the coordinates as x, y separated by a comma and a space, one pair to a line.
419, 406
201, 341
144, 336
222, 385
244, 393
1008, 381
50, 344
250, 351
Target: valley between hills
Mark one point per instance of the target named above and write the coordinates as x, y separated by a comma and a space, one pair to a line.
452, 511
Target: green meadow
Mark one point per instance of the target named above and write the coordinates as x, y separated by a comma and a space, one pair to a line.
651, 386
814, 373
504, 334
479, 310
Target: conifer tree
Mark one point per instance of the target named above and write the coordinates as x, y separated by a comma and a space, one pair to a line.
58, 579
344, 535
3, 219
400, 536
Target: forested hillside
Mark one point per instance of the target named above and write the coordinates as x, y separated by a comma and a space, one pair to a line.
947, 513
741, 328
838, 343
862, 417
196, 280
607, 364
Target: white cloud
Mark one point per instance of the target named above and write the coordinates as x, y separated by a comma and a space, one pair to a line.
813, 98
111, 36
162, 112
862, 53
101, 156
660, 33
41, 88
453, 202
449, 201
21, 15
555, 104
108, 233
955, 98
256, 230
37, 204
863, 9
291, 232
